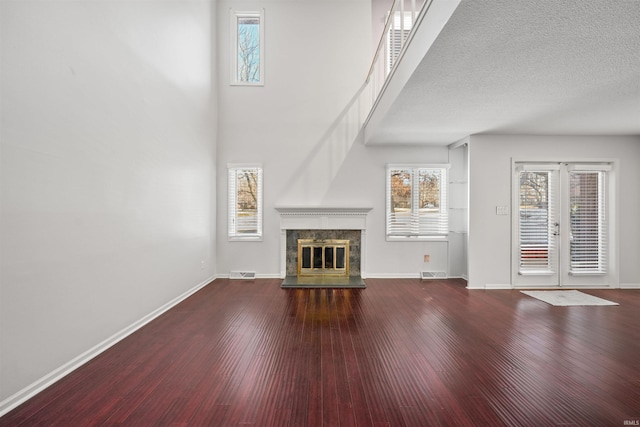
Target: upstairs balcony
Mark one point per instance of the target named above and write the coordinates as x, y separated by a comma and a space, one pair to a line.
452, 68
447, 69
410, 30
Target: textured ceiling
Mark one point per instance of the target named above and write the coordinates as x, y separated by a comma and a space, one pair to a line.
550, 67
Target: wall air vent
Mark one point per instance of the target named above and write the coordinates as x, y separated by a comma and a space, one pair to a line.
424, 275
242, 275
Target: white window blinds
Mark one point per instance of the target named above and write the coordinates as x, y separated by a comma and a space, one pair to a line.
245, 202
397, 35
417, 202
588, 221
537, 220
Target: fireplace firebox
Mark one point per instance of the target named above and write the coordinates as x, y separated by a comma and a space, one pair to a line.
328, 257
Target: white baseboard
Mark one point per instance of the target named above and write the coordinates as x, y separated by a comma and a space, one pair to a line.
629, 285
393, 275
497, 286
406, 276
258, 276
368, 276
36, 387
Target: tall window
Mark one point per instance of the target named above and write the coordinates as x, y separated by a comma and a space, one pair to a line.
245, 202
417, 202
247, 49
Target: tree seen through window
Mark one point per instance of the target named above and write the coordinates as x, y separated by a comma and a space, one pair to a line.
248, 49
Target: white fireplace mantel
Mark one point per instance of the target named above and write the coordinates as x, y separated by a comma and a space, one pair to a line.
323, 218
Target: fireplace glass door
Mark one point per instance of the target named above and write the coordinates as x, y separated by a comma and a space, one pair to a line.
323, 257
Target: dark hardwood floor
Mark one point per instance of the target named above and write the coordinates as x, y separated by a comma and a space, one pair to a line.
399, 353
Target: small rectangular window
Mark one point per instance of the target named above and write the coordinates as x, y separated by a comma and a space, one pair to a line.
247, 48
245, 202
417, 202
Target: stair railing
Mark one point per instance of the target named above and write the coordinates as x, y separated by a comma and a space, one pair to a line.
398, 28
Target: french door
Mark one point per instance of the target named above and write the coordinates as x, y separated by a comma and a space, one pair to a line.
561, 227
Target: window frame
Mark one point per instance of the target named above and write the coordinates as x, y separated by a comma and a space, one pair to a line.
232, 207
235, 15
561, 273
443, 191
599, 218
396, 36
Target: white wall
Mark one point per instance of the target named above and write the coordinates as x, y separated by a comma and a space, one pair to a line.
490, 186
379, 12
108, 152
314, 69
317, 55
361, 182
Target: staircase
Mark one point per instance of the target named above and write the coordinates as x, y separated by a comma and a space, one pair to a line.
411, 28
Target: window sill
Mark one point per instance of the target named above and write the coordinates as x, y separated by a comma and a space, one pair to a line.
260, 84
536, 273
417, 238
587, 273
245, 238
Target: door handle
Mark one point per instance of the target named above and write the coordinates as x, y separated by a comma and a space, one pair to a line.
556, 232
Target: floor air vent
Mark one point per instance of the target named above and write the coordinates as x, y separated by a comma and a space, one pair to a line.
242, 275
424, 275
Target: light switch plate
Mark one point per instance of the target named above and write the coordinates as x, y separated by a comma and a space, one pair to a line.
502, 210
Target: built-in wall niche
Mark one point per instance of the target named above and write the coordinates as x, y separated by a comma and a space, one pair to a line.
458, 209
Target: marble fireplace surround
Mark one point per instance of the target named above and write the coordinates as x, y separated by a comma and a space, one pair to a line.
307, 219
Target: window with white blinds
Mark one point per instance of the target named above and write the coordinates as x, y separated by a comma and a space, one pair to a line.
397, 35
245, 202
588, 221
537, 219
417, 202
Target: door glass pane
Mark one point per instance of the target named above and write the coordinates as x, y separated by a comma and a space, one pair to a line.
588, 222
534, 221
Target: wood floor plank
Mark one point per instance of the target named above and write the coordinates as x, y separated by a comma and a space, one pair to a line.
401, 352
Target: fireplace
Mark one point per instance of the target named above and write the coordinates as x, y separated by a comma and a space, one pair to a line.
331, 238
328, 243
323, 257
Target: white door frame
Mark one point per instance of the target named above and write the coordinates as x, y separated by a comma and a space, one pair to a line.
546, 281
